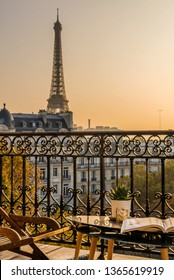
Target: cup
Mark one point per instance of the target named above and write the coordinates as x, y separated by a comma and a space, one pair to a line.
121, 214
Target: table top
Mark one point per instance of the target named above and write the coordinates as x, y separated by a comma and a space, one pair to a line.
107, 227
98, 221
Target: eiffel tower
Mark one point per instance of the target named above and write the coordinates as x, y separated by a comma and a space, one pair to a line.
57, 101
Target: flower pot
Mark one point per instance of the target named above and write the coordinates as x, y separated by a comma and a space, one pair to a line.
123, 206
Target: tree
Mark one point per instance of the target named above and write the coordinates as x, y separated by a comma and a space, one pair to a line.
19, 183
149, 183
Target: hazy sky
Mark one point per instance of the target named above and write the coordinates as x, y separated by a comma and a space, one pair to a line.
118, 59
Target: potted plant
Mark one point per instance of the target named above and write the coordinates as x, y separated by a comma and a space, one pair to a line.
120, 201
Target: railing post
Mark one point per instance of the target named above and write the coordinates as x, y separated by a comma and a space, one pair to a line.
102, 185
24, 186
116, 166
102, 177
48, 186
102, 191
163, 188
36, 204
132, 181
88, 204
74, 186
12, 186
147, 190
61, 190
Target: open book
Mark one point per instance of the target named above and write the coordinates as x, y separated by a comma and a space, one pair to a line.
148, 224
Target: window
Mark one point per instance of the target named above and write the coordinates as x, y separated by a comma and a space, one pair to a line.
49, 124
33, 124
54, 158
93, 178
94, 161
83, 188
121, 172
41, 159
65, 189
59, 124
39, 124
65, 173
93, 188
83, 176
112, 174
43, 174
23, 124
55, 171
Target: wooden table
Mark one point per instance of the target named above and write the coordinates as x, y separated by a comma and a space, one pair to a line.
94, 226
103, 227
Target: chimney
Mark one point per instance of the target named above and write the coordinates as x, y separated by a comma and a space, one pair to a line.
89, 123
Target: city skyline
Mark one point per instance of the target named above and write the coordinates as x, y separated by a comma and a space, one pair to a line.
118, 59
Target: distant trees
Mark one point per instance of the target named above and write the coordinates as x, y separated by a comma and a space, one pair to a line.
142, 179
19, 181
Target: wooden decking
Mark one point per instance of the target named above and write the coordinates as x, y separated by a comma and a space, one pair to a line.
64, 253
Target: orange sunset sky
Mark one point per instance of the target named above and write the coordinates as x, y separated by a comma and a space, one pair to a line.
118, 58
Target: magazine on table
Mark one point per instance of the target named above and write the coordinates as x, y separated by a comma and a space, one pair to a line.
148, 224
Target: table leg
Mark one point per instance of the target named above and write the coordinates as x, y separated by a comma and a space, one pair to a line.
164, 254
110, 249
92, 247
78, 245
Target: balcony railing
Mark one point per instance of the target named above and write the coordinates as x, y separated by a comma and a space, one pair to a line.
22, 190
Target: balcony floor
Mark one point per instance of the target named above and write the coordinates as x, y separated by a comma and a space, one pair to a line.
63, 253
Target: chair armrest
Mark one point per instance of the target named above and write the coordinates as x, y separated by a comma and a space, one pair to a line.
50, 233
10, 233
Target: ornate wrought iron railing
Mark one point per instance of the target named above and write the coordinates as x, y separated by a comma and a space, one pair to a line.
51, 173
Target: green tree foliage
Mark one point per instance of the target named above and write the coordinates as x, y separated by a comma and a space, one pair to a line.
170, 176
19, 182
148, 183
